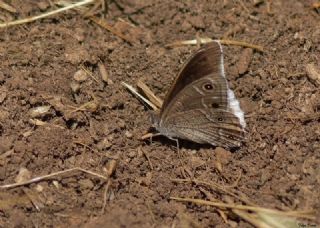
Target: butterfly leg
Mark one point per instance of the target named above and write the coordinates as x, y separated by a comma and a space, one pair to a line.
177, 142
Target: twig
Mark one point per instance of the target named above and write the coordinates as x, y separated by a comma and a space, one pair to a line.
223, 189
189, 42
89, 73
105, 196
211, 198
150, 95
241, 43
31, 19
136, 93
110, 170
222, 41
45, 177
111, 29
300, 214
7, 7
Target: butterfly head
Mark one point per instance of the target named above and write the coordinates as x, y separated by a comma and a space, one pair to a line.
155, 119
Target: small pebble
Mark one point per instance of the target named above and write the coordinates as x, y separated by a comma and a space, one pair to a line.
86, 184
121, 123
80, 76
39, 111
24, 175
128, 134
75, 87
56, 184
39, 188
197, 22
104, 144
43, 5
132, 153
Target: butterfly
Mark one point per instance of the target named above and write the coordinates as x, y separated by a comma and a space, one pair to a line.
200, 106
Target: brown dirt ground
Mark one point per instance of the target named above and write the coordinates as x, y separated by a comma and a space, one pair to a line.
279, 162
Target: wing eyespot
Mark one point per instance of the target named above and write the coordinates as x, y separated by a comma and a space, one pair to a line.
207, 86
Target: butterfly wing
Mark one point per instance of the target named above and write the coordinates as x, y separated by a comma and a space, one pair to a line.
217, 127
206, 61
200, 107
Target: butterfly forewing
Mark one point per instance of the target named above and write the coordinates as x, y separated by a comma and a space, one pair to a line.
199, 106
205, 61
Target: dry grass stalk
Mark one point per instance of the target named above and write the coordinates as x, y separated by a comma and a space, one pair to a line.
47, 14
89, 73
37, 122
112, 165
94, 8
7, 7
137, 94
155, 102
111, 29
90, 106
52, 175
222, 41
189, 42
223, 189
105, 196
242, 44
299, 214
150, 95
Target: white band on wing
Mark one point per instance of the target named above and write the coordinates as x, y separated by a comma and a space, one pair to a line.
233, 103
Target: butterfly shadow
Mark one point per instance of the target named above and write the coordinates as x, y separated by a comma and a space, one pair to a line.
179, 144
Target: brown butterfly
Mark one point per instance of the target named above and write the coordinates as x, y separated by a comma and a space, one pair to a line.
200, 106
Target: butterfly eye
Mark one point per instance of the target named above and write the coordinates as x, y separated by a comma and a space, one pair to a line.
207, 86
